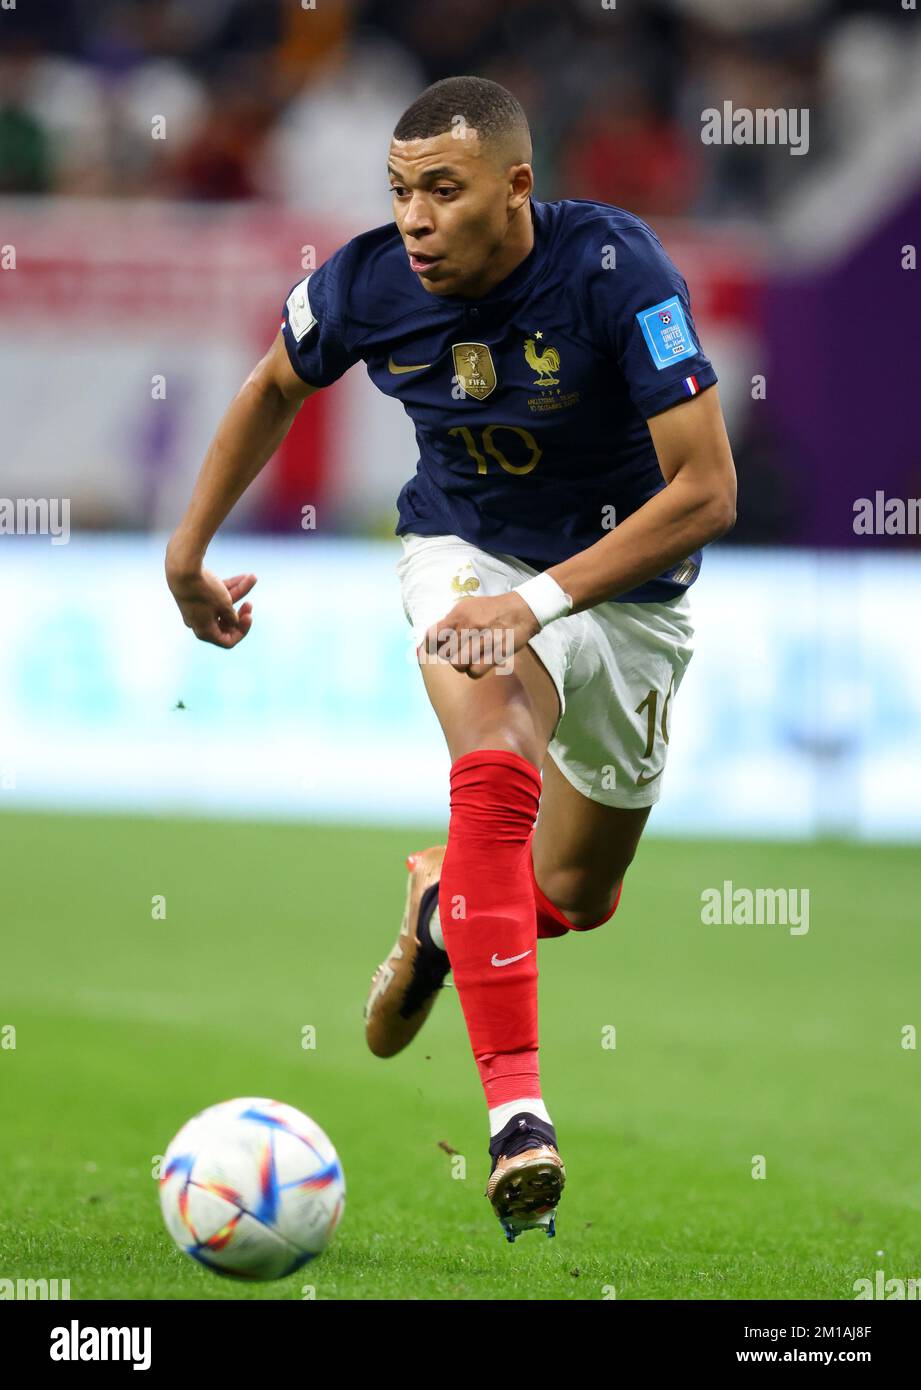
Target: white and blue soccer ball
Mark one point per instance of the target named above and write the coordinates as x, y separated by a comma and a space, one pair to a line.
252, 1188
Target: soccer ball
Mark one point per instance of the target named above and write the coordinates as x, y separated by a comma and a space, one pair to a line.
252, 1188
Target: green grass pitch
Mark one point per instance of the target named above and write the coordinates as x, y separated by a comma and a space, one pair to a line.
731, 1041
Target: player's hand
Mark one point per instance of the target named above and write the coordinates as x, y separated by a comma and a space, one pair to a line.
479, 634
207, 605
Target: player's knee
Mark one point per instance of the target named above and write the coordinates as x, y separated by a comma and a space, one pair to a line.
509, 737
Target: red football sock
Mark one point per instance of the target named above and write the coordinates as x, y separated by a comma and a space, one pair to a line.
488, 919
550, 920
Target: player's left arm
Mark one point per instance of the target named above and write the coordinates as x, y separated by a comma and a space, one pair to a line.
697, 505
641, 319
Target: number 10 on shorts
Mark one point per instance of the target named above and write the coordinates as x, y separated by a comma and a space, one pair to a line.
651, 706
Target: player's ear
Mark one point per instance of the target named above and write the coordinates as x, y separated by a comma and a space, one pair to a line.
521, 185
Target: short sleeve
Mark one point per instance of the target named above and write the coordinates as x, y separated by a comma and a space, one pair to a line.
641, 307
314, 324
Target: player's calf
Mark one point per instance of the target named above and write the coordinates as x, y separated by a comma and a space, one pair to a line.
553, 921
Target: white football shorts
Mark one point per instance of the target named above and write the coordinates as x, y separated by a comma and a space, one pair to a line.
616, 667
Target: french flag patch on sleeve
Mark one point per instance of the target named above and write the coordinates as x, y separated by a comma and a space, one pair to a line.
690, 385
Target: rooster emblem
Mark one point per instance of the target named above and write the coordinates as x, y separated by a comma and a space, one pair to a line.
545, 363
468, 585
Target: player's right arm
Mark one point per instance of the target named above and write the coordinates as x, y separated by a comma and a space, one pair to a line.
254, 425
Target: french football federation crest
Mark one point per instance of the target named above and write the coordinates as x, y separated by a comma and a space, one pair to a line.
473, 367
464, 582
545, 363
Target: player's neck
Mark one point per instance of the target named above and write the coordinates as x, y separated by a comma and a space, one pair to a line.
516, 247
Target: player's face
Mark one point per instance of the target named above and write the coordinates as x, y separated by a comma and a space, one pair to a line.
453, 204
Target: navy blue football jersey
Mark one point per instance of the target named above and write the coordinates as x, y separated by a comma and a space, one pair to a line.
529, 403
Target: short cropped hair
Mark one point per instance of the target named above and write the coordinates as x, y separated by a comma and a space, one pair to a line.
491, 110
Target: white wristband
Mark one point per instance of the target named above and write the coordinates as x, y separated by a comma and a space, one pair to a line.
546, 600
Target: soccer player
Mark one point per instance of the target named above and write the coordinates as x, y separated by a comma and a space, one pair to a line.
573, 460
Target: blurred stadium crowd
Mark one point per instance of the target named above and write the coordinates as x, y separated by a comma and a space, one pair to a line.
160, 158
261, 98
